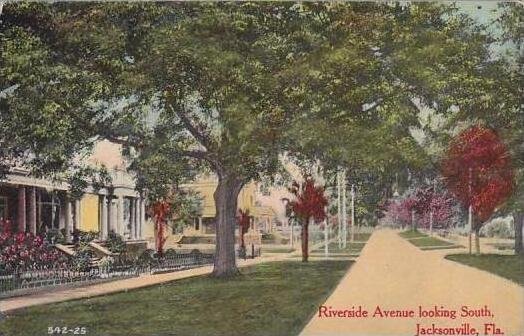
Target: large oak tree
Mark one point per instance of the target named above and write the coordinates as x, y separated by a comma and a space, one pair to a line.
228, 87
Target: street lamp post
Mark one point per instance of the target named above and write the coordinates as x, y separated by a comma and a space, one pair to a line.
344, 208
290, 220
326, 234
339, 208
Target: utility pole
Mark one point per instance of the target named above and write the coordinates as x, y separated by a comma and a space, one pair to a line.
352, 213
344, 209
326, 235
431, 208
339, 208
290, 220
470, 211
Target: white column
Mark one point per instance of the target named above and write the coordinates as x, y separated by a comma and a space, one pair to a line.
32, 210
110, 214
78, 219
21, 209
200, 226
142, 217
132, 218
136, 221
67, 219
104, 229
120, 216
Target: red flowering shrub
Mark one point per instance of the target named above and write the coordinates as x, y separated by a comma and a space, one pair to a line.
26, 251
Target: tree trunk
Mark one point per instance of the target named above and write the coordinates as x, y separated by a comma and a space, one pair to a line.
519, 225
477, 240
305, 240
469, 240
226, 195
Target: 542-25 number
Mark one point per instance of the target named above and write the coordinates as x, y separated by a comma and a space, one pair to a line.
66, 331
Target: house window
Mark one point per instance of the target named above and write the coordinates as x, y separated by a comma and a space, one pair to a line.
50, 211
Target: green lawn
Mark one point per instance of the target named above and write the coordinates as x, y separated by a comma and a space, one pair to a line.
268, 249
425, 242
429, 241
508, 266
362, 237
352, 248
412, 234
268, 299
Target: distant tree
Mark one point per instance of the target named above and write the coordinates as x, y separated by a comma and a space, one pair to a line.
478, 171
435, 209
309, 204
400, 211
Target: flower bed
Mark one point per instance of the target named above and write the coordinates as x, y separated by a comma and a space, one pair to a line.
26, 251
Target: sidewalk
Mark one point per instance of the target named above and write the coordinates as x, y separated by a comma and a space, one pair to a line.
58, 295
395, 275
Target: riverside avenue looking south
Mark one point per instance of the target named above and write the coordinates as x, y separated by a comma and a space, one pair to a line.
434, 312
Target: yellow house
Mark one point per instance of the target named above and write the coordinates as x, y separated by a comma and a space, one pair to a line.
205, 186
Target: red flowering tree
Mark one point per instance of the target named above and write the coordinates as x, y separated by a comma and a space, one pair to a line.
309, 204
161, 211
477, 170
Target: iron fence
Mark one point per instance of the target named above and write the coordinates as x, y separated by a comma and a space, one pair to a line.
250, 252
15, 281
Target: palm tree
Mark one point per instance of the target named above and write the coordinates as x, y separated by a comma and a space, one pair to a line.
161, 210
244, 220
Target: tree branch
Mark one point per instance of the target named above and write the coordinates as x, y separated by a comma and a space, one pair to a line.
197, 134
199, 155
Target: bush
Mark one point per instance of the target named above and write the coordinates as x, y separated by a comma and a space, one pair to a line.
170, 253
147, 257
81, 261
115, 243
80, 236
106, 262
499, 228
54, 236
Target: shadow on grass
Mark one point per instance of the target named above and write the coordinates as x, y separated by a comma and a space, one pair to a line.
275, 298
507, 266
